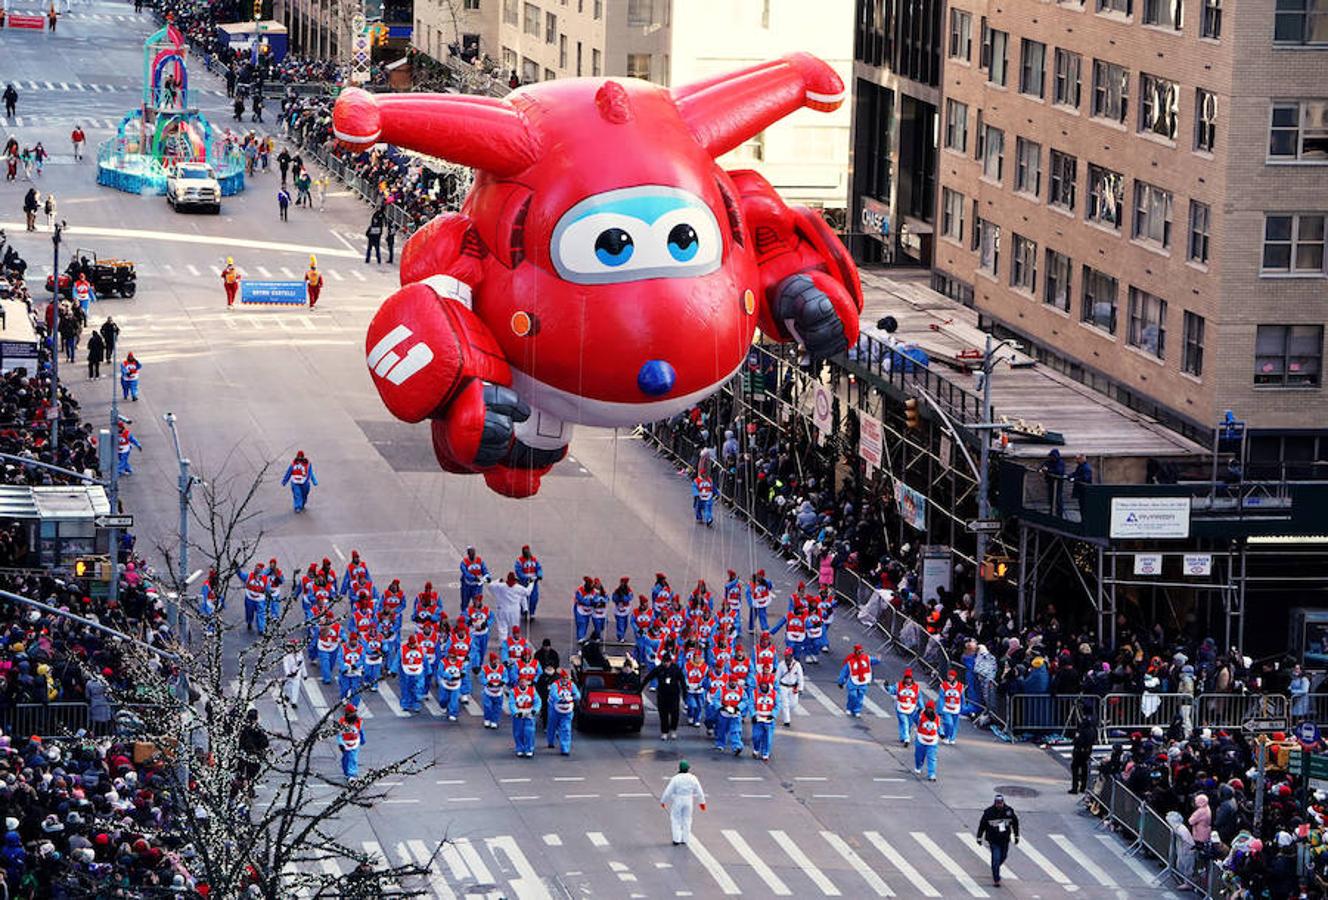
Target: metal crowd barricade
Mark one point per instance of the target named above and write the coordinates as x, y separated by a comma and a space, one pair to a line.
1049, 713
1232, 710
1150, 833
45, 720
1155, 838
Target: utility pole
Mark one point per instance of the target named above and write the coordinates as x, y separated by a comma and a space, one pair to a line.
984, 503
114, 482
55, 340
186, 484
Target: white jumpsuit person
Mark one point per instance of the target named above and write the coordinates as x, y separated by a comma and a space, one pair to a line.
789, 679
677, 798
293, 670
510, 600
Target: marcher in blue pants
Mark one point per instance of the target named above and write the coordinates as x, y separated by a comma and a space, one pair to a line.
494, 677
449, 686
929, 739
300, 476
906, 704
734, 705
563, 697
529, 572
523, 704
350, 737
765, 707
857, 675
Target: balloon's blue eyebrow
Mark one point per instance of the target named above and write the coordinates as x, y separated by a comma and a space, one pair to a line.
646, 209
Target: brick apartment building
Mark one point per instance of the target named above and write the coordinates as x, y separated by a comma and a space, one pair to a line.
1138, 189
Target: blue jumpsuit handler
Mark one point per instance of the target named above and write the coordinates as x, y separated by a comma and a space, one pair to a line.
529, 572
350, 737
300, 476
495, 677
758, 600
857, 675
126, 440
563, 697
734, 706
255, 598
622, 607
450, 674
694, 682
473, 574
952, 706
929, 739
412, 674
765, 708
703, 500
523, 704
583, 607
906, 704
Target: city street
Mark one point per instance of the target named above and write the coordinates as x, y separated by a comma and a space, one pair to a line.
837, 811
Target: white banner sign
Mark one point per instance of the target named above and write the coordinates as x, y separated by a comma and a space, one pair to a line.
1148, 563
871, 434
1150, 517
821, 406
1198, 563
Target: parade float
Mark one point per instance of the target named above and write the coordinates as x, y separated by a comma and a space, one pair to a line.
167, 129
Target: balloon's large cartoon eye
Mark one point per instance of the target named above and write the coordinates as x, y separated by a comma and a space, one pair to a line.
613, 247
683, 242
633, 234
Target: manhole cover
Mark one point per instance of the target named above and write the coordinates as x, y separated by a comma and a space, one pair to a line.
1014, 790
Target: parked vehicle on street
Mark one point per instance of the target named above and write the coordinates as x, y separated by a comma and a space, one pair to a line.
193, 185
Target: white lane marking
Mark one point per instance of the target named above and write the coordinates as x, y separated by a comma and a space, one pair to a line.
1092, 868
431, 706
452, 858
315, 694
758, 865
472, 708
513, 780
801, 710
553, 840
473, 861
755, 796
1047, 866
949, 865
966, 838
634, 795
624, 778
821, 697
330, 867
597, 838
451, 781
875, 709
436, 880
898, 860
624, 874
400, 800
390, 698
829, 796
374, 850
810, 778
887, 779
746, 778
263, 270
874, 881
49, 86
96, 88
580, 796
795, 853
338, 236
726, 884
285, 270
336, 276
1139, 869
569, 778
358, 276
525, 797
463, 799
64, 85
338, 552
193, 270
527, 886
647, 702
216, 270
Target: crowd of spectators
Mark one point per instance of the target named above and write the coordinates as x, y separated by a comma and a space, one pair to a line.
1204, 783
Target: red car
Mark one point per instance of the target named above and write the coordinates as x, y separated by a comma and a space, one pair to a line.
610, 691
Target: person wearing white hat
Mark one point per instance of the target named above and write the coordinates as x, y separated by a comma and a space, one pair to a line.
682, 790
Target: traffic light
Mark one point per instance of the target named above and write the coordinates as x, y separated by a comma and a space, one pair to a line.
912, 415
994, 568
84, 567
258, 10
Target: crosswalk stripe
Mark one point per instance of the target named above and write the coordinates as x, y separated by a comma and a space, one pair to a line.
64, 85
421, 853
875, 709
1112, 843
473, 861
472, 708
795, 853
360, 705
1092, 868
431, 706
263, 270
949, 864
453, 859
903, 865
374, 850
966, 839
647, 702
1046, 865
597, 838
801, 710
193, 270
529, 886
292, 713
315, 694
216, 270
336, 276
773, 881
307, 322
390, 698
33, 85
553, 840
330, 867
285, 270
49, 86
358, 276
824, 699
722, 878
876, 882
95, 88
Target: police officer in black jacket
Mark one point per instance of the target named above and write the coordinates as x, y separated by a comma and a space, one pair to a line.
668, 677
998, 825
1085, 737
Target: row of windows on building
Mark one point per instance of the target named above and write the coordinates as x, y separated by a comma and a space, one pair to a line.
1295, 22
1146, 327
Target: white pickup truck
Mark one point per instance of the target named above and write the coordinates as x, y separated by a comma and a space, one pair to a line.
193, 184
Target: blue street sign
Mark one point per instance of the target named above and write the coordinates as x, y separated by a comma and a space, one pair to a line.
1307, 732
292, 293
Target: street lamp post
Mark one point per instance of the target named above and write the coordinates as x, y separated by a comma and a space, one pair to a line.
984, 503
55, 339
113, 481
186, 484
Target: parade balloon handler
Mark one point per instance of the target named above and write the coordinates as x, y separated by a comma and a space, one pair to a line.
529, 573
630, 218
300, 476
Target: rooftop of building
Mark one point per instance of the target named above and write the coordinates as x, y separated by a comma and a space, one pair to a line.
1021, 389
